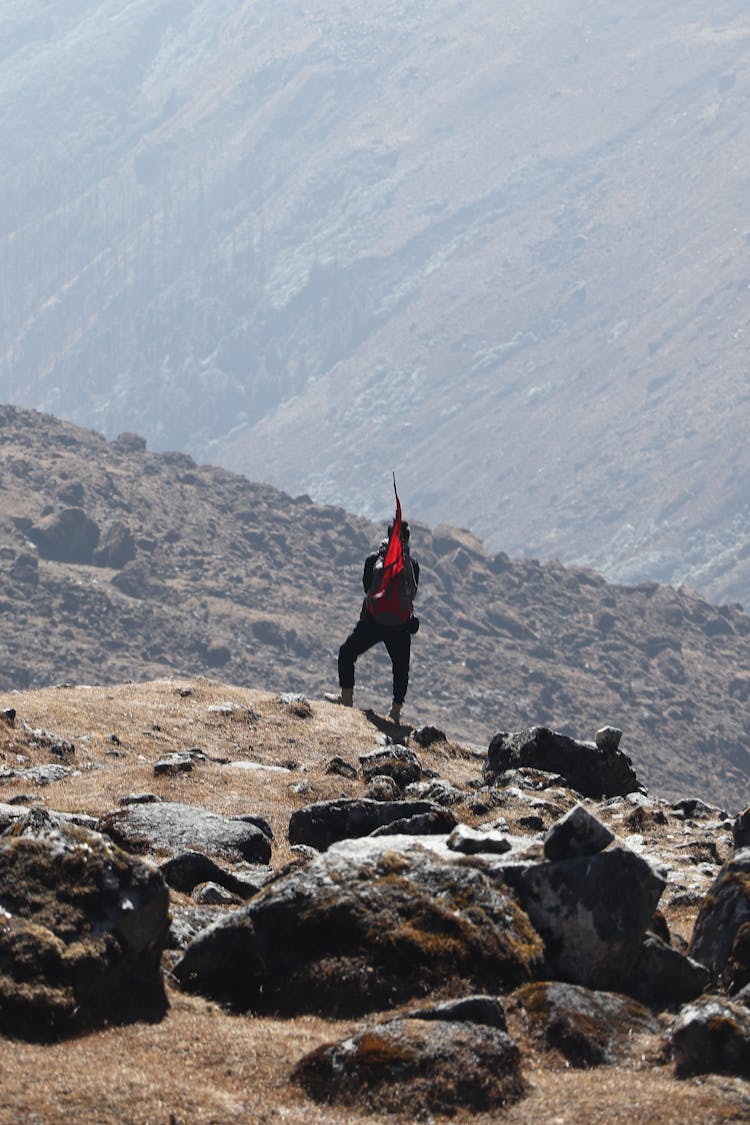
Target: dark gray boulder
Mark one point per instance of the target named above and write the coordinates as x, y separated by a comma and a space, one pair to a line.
83, 929
591, 911
741, 830
577, 833
469, 1009
586, 768
415, 1068
343, 936
325, 822
588, 1028
722, 928
664, 977
437, 822
710, 1036
173, 827
66, 536
185, 871
116, 546
398, 762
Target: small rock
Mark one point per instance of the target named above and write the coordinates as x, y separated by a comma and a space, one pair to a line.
382, 788
174, 764
341, 767
608, 738
577, 833
710, 1036
212, 894
427, 736
472, 841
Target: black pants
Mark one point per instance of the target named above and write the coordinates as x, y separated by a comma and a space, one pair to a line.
366, 633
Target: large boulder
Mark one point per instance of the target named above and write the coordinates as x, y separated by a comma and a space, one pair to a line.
588, 1028
711, 1036
591, 911
415, 1068
720, 933
343, 936
82, 928
66, 536
116, 546
173, 827
323, 823
591, 771
664, 977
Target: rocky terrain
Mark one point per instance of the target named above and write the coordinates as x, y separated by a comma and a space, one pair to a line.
117, 563
222, 903
484, 245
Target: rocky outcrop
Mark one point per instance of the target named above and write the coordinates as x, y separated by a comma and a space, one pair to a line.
415, 1068
172, 827
68, 536
82, 928
587, 1028
343, 936
322, 824
722, 928
591, 771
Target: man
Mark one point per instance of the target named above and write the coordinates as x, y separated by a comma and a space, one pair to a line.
390, 581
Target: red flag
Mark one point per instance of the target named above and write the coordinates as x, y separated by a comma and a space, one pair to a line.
393, 563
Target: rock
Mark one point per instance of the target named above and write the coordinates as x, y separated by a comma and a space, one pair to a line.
577, 833
174, 764
414, 1068
174, 827
725, 910
341, 767
486, 1010
136, 580
67, 536
692, 808
382, 788
140, 799
83, 928
664, 977
38, 775
587, 769
427, 736
8, 715
741, 830
296, 704
322, 824
25, 569
710, 1036
608, 738
397, 762
343, 936
473, 841
212, 894
437, 790
438, 821
187, 870
116, 546
128, 442
591, 911
588, 1028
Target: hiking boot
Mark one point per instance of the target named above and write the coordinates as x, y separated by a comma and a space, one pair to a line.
395, 713
345, 697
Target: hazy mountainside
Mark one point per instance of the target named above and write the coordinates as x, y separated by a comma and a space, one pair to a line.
170, 567
501, 249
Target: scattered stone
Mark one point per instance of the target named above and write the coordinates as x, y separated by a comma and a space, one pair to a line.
382, 788
474, 841
213, 894
427, 736
174, 764
588, 1028
173, 827
341, 767
83, 929
608, 738
414, 1068
577, 833
587, 769
710, 1036
322, 824
397, 762
342, 936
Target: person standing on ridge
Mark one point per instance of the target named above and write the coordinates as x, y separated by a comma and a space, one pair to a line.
390, 580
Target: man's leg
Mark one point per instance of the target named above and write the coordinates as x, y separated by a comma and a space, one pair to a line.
398, 643
363, 636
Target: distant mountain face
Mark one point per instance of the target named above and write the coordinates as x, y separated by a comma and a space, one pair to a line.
503, 251
117, 563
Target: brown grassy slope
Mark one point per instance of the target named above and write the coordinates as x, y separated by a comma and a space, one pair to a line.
236, 579
201, 1065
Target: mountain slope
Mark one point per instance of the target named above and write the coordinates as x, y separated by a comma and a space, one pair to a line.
502, 250
197, 570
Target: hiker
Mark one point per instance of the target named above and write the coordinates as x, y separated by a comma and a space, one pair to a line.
390, 581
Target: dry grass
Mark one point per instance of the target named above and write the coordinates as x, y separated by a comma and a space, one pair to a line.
200, 1065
